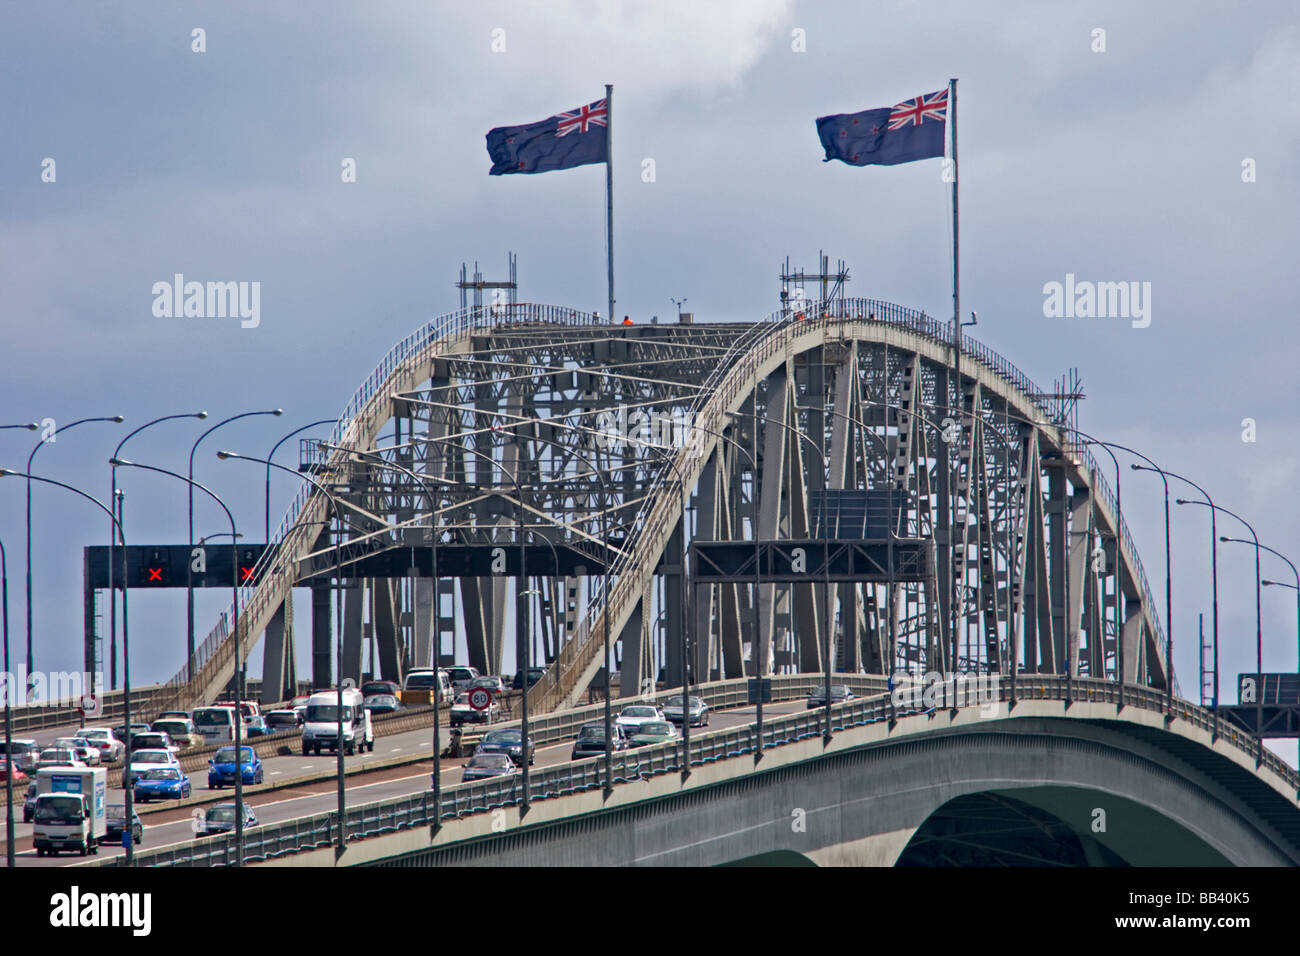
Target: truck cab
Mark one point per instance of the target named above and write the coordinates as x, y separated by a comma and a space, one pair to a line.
70, 810
321, 729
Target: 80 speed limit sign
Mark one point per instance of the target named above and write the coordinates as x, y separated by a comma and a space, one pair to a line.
480, 698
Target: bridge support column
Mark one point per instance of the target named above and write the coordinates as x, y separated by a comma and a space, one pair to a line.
674, 608
279, 676
322, 636
636, 650
354, 598
387, 599
422, 646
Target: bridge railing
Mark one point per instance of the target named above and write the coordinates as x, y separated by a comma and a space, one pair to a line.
387, 816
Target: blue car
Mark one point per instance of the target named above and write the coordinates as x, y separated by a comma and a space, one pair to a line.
161, 783
221, 767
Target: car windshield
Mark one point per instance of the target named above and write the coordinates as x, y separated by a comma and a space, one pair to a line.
94, 734
163, 774
420, 681
276, 719
655, 727
492, 761
150, 756
488, 682
841, 690
52, 754
116, 812
596, 731
216, 717
503, 737
72, 742
149, 740
639, 712
221, 815
227, 755
327, 713
172, 727
59, 810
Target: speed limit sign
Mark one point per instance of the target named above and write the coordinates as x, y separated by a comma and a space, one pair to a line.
480, 698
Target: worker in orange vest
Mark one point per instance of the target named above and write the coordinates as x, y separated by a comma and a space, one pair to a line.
627, 320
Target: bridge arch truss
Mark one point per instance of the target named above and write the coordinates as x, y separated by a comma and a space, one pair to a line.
527, 427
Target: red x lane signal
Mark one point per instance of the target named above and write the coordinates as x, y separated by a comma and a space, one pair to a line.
245, 574
155, 574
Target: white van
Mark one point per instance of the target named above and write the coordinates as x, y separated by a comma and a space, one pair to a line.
321, 730
216, 724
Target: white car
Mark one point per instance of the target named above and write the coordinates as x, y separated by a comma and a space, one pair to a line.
463, 713
143, 760
86, 752
634, 715
110, 748
58, 757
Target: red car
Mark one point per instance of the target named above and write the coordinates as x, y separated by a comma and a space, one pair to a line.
19, 776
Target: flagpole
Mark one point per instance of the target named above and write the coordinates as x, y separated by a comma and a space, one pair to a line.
609, 193
956, 344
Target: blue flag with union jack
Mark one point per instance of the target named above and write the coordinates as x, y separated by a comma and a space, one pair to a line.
565, 140
912, 130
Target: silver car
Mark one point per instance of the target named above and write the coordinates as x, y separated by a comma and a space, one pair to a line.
699, 711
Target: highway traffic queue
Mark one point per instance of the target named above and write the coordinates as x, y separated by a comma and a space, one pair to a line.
66, 796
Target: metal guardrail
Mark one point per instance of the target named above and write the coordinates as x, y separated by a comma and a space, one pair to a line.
388, 816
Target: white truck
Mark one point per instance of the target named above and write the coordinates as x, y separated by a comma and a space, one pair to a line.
71, 810
321, 730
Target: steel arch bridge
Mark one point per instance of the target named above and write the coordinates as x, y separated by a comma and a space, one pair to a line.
974, 534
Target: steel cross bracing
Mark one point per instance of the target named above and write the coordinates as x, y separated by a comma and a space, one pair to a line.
585, 432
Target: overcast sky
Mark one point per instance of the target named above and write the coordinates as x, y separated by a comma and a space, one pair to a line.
1122, 165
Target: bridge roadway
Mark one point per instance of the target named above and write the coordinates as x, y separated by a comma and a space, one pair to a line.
1099, 785
170, 823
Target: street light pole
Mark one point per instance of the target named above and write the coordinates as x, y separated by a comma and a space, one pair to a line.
1214, 577
271, 457
1169, 610
115, 498
10, 839
126, 651
1295, 587
338, 577
1259, 631
239, 664
117, 419
189, 561
826, 564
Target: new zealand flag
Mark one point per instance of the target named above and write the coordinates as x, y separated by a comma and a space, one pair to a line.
576, 138
914, 129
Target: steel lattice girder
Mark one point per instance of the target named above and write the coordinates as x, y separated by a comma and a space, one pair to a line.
584, 433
